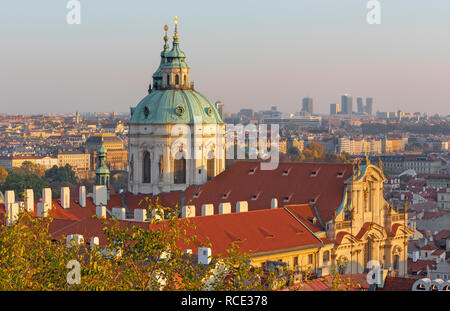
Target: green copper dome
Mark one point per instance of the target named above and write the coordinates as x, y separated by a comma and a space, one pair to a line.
173, 100
174, 106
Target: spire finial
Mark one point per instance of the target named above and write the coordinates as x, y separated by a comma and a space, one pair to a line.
165, 29
175, 20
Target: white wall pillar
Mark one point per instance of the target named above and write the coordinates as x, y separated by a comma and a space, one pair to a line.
207, 209
188, 211
119, 213
225, 208
65, 197
82, 196
29, 200
47, 197
241, 206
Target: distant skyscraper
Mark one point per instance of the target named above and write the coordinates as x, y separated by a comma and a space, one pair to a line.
360, 104
220, 106
334, 108
369, 105
307, 105
347, 104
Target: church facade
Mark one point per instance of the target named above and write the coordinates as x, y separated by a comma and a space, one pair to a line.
176, 135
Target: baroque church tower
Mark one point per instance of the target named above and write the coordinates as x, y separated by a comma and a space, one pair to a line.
176, 135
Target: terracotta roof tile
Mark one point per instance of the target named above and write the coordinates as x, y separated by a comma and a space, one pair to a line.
299, 186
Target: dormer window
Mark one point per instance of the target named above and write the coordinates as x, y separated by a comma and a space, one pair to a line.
313, 173
340, 175
251, 171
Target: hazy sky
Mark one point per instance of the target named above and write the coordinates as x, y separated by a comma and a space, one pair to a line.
246, 53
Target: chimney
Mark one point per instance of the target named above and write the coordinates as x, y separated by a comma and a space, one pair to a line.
241, 206
82, 196
29, 200
100, 195
204, 255
274, 203
65, 197
100, 211
47, 197
158, 214
415, 256
42, 209
140, 214
188, 211
12, 212
94, 242
74, 240
10, 198
207, 209
225, 208
119, 212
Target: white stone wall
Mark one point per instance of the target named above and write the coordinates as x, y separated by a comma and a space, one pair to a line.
156, 139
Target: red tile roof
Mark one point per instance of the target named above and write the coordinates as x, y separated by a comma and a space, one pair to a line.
438, 252
392, 283
429, 248
325, 283
443, 234
420, 266
290, 183
254, 231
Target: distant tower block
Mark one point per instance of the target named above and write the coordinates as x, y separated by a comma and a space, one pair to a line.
29, 200
65, 197
82, 196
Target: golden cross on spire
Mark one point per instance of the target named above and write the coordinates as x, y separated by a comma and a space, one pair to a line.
175, 20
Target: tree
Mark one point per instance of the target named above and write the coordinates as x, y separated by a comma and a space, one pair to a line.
3, 174
19, 183
61, 174
134, 258
28, 168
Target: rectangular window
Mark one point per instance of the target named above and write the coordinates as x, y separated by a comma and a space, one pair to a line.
310, 259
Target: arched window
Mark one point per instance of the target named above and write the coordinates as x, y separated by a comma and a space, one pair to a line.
326, 258
210, 167
177, 79
179, 171
184, 78
146, 168
396, 262
161, 167
168, 79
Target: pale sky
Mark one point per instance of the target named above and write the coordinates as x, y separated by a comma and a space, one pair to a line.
249, 54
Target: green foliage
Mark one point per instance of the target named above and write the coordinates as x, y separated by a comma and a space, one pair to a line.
33, 176
19, 183
314, 153
61, 174
133, 258
3, 174
28, 168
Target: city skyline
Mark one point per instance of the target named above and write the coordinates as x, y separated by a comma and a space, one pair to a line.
100, 65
